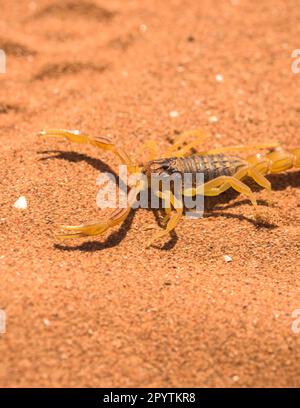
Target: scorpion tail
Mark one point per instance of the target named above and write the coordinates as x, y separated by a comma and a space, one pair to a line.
282, 160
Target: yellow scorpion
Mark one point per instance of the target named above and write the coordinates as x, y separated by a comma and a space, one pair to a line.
221, 171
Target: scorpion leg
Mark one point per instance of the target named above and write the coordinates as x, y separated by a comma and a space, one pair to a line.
95, 228
239, 148
261, 180
98, 141
182, 145
179, 148
252, 172
152, 150
167, 206
220, 184
167, 216
174, 217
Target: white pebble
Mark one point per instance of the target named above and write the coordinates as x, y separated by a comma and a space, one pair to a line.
21, 203
174, 114
143, 28
219, 78
227, 258
46, 322
213, 119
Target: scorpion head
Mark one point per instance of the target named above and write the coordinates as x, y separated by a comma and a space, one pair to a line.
160, 167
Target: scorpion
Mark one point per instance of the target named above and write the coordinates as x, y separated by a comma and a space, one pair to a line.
221, 169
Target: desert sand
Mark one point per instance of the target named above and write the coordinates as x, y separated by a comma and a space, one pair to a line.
107, 311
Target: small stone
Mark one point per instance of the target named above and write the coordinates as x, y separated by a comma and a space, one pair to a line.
227, 258
213, 119
21, 203
219, 78
174, 114
46, 322
143, 28
235, 378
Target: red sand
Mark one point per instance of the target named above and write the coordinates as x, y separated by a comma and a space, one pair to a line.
107, 312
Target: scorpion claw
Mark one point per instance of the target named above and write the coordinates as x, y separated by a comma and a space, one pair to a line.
83, 230
261, 218
150, 243
156, 237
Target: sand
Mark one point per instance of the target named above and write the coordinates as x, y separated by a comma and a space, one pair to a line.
107, 311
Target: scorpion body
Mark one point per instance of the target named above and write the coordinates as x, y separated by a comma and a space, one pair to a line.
216, 165
220, 169
211, 166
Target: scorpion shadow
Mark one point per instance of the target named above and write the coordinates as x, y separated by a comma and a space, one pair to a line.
75, 157
213, 205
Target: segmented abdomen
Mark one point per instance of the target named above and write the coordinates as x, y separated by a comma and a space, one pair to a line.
212, 166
